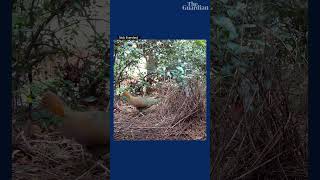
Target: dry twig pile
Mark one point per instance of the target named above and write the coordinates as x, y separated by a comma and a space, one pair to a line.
179, 116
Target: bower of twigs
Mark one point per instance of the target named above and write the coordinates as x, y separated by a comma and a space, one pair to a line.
270, 140
44, 153
268, 143
180, 115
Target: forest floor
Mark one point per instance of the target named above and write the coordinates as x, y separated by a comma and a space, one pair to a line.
44, 153
178, 116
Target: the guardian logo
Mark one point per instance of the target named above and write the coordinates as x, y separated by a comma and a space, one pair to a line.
193, 6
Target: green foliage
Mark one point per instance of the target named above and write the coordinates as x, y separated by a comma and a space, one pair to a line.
179, 60
259, 78
45, 30
228, 30
243, 31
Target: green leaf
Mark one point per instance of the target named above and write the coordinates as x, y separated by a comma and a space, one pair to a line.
233, 12
200, 43
237, 49
224, 1
226, 23
89, 99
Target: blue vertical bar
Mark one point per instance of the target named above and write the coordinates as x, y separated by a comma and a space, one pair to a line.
5, 75
314, 90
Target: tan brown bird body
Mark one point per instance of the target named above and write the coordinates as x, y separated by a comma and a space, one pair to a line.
140, 102
88, 128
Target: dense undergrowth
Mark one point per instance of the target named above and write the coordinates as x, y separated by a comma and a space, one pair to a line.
259, 77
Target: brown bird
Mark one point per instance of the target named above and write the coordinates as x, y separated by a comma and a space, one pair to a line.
140, 103
90, 128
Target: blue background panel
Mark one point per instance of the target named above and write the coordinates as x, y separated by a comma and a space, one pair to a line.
159, 160
158, 19
163, 160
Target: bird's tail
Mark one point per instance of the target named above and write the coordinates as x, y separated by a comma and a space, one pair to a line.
53, 103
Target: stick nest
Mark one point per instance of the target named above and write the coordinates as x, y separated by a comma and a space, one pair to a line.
46, 154
180, 115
